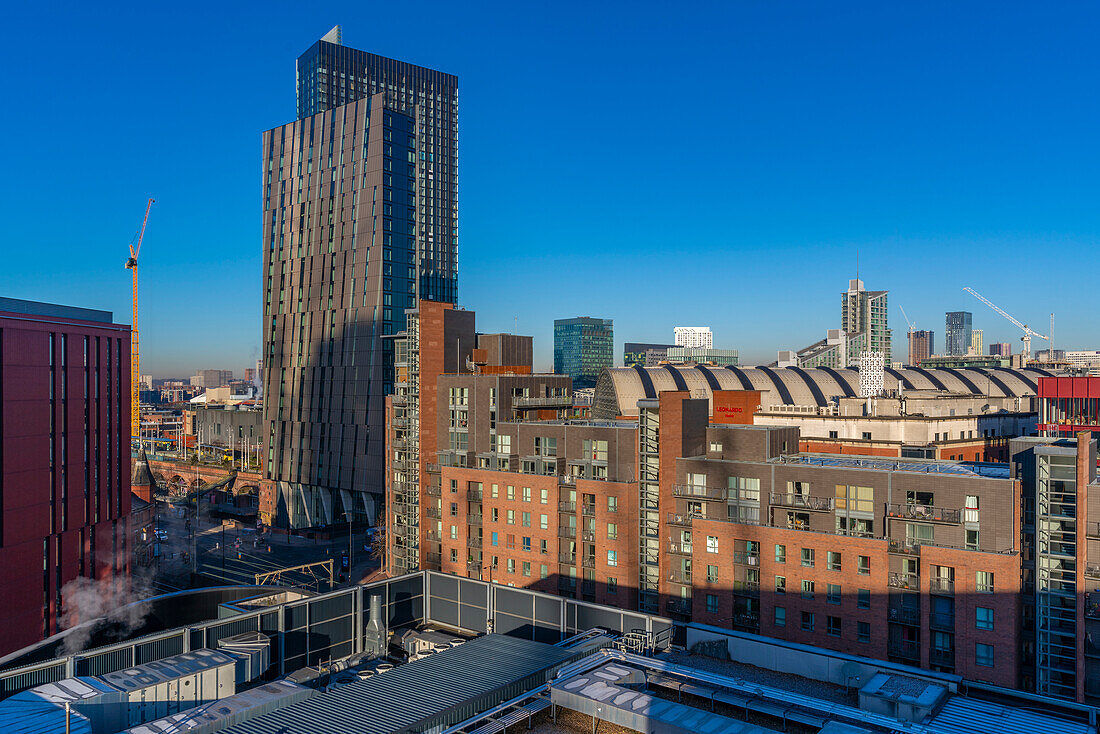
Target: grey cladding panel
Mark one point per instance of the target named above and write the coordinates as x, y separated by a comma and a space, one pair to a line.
548, 610
472, 618
514, 602
445, 611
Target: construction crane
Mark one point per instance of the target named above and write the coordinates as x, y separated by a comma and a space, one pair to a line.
912, 326
135, 354
1028, 331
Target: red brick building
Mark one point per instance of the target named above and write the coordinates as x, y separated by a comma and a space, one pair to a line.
64, 460
919, 561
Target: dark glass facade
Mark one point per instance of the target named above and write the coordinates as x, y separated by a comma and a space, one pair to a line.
583, 347
959, 332
360, 211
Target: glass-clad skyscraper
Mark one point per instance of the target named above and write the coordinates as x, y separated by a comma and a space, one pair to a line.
583, 347
959, 332
359, 221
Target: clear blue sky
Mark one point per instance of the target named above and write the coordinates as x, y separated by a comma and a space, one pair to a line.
654, 163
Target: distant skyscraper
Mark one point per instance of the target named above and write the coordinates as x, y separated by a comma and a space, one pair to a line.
959, 332
865, 312
977, 345
642, 355
922, 345
583, 347
1000, 349
359, 221
696, 337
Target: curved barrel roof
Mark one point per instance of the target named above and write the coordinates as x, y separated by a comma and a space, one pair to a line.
618, 390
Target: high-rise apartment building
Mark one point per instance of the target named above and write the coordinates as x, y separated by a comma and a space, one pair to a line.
64, 461
360, 220
866, 312
644, 355
212, 378
977, 342
959, 332
694, 337
583, 347
1000, 349
922, 345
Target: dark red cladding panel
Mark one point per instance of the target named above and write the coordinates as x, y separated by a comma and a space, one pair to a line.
1069, 387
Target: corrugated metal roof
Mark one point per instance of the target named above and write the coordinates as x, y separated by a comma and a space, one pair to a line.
415, 691
962, 715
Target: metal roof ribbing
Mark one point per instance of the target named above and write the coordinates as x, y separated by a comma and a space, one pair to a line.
900, 378
647, 382
840, 381
681, 384
711, 379
415, 691
1020, 373
971, 716
819, 396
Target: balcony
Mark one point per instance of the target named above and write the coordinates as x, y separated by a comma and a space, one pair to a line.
567, 480
923, 513
1092, 570
433, 490
680, 576
474, 518
434, 535
804, 502
473, 495
433, 512
903, 649
588, 536
568, 559
474, 541
746, 619
432, 468
566, 583
400, 399
680, 606
1092, 530
746, 588
399, 422
431, 557
746, 559
680, 549
683, 520
587, 509
903, 547
565, 531
699, 492
905, 615
588, 587
941, 657
588, 561
942, 621
1092, 605
909, 581
544, 401
942, 585
566, 506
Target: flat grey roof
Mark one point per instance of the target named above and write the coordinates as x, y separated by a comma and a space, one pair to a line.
37, 308
411, 693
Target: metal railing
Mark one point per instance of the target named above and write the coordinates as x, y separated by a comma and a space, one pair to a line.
699, 492
942, 585
588, 509
1092, 570
566, 531
801, 501
474, 541
588, 536
588, 561
940, 656
904, 615
475, 518
569, 559
680, 519
746, 588
905, 547
433, 490
679, 606
474, 495
746, 619
942, 620
680, 576
1092, 530
745, 558
922, 513
680, 549
910, 581
903, 649
538, 401
567, 506
433, 512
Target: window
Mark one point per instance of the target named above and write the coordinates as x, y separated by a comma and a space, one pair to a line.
983, 655
543, 571
612, 585
454, 509
780, 584
863, 631
780, 617
510, 492
866, 435
527, 543
863, 566
712, 574
715, 447
612, 558
712, 603
970, 512
984, 619
542, 547
808, 621
494, 514
526, 568
780, 554
612, 504
495, 540
983, 582
855, 499
510, 541
526, 519
544, 496
544, 521
454, 532
833, 560
832, 594
526, 494
612, 531
864, 599
494, 491
808, 557
454, 555
832, 626
807, 589
511, 517
971, 539
712, 544
511, 565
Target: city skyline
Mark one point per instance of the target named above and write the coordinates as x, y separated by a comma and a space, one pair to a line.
903, 163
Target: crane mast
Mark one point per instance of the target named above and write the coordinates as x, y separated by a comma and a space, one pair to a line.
1028, 331
135, 353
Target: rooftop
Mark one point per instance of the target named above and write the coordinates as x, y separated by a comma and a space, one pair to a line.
37, 308
970, 469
